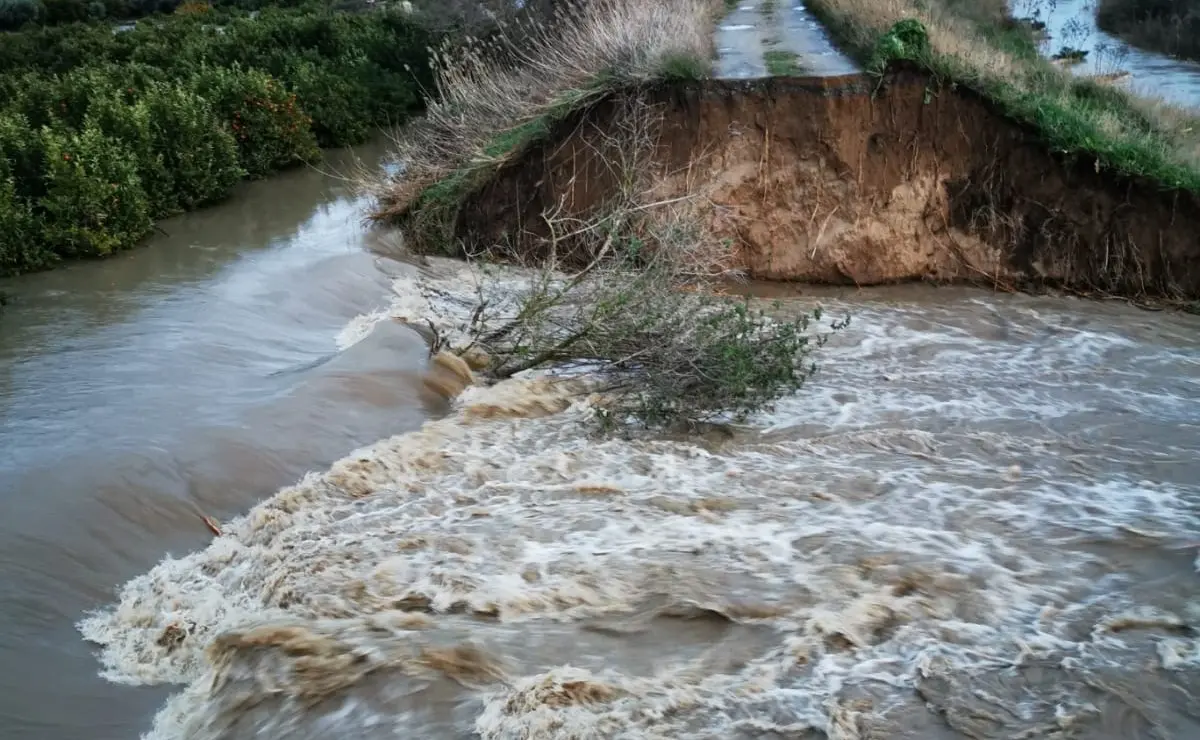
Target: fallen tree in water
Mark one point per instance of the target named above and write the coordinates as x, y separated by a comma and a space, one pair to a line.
632, 296
629, 288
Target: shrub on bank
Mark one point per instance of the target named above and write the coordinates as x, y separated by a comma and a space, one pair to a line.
189, 108
19, 229
131, 124
270, 129
337, 97
94, 203
205, 169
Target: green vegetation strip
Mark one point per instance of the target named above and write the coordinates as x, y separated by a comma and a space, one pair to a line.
782, 63
974, 43
102, 132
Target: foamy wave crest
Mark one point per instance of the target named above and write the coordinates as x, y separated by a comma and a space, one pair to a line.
839, 565
443, 296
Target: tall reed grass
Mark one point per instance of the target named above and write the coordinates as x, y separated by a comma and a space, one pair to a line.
491, 98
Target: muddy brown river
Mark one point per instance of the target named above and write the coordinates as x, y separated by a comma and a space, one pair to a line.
981, 519
198, 374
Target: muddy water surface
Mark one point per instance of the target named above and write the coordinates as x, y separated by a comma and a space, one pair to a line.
1072, 23
198, 374
980, 520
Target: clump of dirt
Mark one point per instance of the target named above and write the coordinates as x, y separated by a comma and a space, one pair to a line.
859, 180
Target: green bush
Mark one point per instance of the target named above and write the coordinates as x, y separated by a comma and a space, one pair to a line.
94, 203
175, 111
16, 13
131, 124
20, 233
333, 96
199, 152
184, 155
22, 246
271, 131
23, 155
907, 39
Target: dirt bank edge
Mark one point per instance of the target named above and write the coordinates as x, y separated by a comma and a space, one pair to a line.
864, 180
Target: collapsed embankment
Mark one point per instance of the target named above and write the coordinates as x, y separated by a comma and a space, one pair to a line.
862, 180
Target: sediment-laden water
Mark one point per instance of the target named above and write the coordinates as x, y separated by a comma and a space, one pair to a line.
195, 376
979, 520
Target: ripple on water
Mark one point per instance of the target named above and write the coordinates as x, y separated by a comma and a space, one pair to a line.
937, 523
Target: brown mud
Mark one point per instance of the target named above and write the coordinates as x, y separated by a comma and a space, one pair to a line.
857, 180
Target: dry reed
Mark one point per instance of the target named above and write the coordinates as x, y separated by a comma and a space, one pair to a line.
492, 97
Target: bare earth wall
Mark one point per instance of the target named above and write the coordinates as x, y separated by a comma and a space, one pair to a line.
850, 180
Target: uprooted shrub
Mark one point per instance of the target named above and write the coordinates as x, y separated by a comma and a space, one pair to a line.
664, 351
632, 292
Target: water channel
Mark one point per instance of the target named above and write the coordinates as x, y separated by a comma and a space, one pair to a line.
194, 376
1072, 23
984, 505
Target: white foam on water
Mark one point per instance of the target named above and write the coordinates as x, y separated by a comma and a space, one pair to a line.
923, 510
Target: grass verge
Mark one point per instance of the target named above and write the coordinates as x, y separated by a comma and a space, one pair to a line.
494, 99
976, 44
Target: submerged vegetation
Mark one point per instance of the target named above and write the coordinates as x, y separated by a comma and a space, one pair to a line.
975, 43
1167, 26
782, 63
103, 132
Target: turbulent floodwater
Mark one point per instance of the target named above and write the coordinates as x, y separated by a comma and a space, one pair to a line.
979, 520
196, 375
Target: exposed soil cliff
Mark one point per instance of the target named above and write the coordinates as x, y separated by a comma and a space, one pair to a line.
850, 180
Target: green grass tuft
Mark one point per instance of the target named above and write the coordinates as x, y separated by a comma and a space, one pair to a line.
783, 63
678, 67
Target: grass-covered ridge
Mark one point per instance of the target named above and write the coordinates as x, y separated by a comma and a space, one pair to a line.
974, 43
492, 99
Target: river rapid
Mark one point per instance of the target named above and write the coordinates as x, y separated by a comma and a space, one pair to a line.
980, 519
